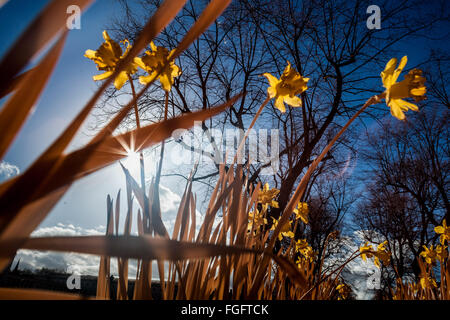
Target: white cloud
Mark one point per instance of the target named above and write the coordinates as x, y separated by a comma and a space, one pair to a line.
88, 264
170, 203
67, 230
8, 170
358, 273
82, 264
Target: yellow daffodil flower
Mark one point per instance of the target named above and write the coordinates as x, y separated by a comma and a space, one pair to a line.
285, 230
366, 251
343, 290
444, 231
286, 89
427, 282
429, 255
441, 253
266, 197
107, 57
159, 59
300, 245
301, 212
255, 219
305, 250
382, 254
413, 86
306, 253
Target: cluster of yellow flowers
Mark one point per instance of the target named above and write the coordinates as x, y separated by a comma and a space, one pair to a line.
255, 220
381, 253
440, 252
301, 212
305, 251
285, 229
343, 290
291, 84
266, 197
157, 63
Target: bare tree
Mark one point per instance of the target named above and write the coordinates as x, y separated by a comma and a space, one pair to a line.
326, 41
408, 196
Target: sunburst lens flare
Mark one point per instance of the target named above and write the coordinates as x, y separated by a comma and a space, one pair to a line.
132, 162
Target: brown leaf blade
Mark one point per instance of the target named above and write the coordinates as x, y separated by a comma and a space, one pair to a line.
34, 294
43, 29
17, 109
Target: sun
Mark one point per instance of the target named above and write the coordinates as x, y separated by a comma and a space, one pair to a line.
132, 162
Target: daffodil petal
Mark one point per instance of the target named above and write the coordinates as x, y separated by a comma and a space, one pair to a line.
396, 110
120, 80
153, 46
175, 70
293, 101
165, 82
279, 104
272, 92
419, 91
399, 69
288, 68
102, 76
273, 81
439, 229
409, 105
139, 62
90, 54
386, 74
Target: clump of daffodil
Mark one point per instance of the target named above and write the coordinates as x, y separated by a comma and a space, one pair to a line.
427, 282
108, 56
286, 89
266, 197
255, 219
429, 254
304, 250
285, 229
444, 231
301, 212
300, 245
159, 59
343, 290
413, 86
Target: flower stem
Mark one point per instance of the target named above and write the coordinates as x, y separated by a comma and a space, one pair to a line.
136, 111
161, 156
242, 143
